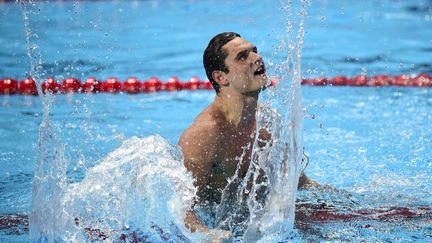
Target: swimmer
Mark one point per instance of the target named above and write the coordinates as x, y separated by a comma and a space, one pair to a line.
218, 136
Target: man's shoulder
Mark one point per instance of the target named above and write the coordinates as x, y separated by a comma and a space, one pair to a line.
197, 133
204, 128
200, 141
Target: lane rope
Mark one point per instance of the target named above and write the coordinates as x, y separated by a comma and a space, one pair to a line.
10, 86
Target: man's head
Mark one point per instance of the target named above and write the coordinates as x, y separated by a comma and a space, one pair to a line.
214, 55
230, 60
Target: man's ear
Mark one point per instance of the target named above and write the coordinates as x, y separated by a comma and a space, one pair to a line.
220, 78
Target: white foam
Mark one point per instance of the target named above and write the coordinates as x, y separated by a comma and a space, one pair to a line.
142, 186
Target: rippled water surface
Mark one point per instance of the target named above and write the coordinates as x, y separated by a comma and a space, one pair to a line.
371, 144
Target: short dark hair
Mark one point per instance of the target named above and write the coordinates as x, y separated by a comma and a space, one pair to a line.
214, 56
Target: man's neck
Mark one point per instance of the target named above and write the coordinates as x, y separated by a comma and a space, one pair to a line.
237, 109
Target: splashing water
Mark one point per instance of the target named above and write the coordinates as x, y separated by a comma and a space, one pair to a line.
142, 189
277, 165
139, 191
49, 182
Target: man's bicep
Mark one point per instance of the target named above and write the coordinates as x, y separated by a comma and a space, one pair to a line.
199, 167
197, 158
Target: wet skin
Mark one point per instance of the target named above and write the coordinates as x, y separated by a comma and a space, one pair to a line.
225, 131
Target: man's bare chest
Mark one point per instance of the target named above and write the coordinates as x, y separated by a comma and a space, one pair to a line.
234, 155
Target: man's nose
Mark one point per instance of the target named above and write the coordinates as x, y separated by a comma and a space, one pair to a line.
256, 58
252, 56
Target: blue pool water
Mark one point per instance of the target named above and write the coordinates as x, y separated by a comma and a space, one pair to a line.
372, 144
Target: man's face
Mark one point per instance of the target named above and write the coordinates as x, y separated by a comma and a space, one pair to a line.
246, 67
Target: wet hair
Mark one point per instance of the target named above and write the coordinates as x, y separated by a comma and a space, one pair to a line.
214, 56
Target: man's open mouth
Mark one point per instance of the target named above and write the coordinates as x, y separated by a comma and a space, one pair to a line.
260, 71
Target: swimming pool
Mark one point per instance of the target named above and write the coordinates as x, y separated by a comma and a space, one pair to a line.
373, 143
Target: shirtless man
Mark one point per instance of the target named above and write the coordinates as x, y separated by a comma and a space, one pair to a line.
217, 138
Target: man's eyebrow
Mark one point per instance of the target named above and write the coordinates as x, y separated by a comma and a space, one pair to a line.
242, 53
245, 51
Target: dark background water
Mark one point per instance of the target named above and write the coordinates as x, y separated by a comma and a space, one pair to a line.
164, 38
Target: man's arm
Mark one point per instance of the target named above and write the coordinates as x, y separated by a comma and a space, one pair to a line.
199, 145
198, 148
194, 224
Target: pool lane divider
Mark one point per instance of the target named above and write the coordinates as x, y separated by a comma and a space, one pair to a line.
18, 224
10, 86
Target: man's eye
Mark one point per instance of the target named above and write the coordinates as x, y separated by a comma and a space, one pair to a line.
243, 56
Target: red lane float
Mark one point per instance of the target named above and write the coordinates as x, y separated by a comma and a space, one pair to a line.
316, 213
339, 81
8, 86
306, 214
92, 85
152, 85
71, 85
111, 85
51, 85
421, 80
133, 85
194, 83
173, 84
28, 87
360, 80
